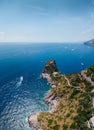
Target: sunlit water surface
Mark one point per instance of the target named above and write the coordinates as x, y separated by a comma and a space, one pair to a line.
21, 88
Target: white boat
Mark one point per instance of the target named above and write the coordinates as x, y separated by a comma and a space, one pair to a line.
20, 81
21, 78
82, 63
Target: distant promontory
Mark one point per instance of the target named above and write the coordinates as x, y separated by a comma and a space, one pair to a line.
90, 42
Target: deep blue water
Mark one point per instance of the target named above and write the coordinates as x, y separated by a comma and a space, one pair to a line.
17, 102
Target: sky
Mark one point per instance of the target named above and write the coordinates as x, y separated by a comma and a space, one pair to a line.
46, 20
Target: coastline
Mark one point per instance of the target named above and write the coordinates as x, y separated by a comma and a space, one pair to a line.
49, 99
63, 89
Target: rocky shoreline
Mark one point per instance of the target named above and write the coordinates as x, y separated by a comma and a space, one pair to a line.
74, 82
32, 120
49, 98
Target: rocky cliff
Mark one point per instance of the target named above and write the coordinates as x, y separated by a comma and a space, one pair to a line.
50, 72
71, 100
50, 98
50, 67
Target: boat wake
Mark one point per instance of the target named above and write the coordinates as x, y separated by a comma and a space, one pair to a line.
19, 83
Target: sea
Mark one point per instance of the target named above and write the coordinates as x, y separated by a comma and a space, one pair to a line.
21, 87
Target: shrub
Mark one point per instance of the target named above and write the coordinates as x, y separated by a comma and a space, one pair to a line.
65, 127
56, 127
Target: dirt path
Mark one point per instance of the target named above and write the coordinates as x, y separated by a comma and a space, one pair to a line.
76, 87
67, 81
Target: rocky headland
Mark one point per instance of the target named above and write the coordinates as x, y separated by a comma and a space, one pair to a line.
90, 42
50, 97
70, 100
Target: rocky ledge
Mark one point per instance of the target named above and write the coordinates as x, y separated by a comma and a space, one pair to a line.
51, 100
33, 122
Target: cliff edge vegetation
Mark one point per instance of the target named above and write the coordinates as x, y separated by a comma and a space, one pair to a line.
70, 100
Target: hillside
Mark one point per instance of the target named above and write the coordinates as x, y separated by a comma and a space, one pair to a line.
70, 100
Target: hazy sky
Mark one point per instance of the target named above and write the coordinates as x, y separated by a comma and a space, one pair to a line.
46, 20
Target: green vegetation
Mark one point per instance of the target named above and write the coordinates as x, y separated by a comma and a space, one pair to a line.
75, 105
90, 72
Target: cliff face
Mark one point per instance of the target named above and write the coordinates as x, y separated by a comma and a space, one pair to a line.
50, 67
49, 71
50, 98
71, 100
90, 42
33, 122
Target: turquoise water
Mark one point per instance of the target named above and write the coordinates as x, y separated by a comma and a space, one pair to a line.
18, 99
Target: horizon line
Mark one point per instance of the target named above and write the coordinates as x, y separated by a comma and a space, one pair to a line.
41, 42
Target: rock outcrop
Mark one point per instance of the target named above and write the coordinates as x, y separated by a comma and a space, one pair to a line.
49, 69
49, 98
33, 122
91, 123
